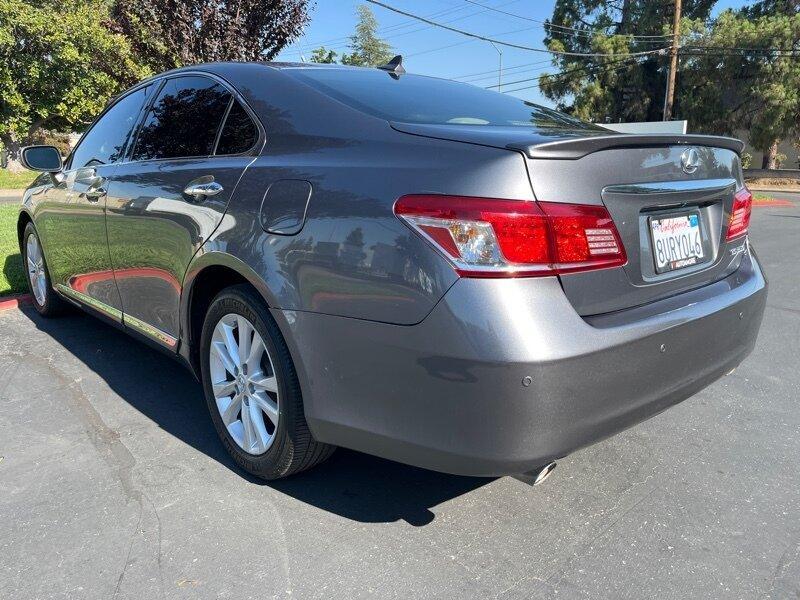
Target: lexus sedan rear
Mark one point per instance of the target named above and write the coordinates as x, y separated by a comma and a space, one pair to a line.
407, 266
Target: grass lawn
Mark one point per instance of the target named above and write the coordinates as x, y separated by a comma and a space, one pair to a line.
16, 181
12, 276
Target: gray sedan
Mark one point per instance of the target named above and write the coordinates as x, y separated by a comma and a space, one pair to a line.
407, 266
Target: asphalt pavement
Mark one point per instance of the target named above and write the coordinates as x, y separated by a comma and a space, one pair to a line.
114, 485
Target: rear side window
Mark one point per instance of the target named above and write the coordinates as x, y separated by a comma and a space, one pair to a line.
106, 140
239, 133
183, 120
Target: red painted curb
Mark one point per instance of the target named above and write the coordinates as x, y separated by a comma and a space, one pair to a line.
14, 301
773, 202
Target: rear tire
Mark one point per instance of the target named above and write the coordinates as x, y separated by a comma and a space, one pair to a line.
246, 393
45, 300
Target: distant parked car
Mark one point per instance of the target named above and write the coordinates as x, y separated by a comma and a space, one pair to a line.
407, 266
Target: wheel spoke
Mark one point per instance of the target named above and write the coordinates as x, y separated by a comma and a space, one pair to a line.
224, 388
222, 353
246, 332
231, 411
230, 344
264, 383
247, 426
260, 433
268, 406
257, 350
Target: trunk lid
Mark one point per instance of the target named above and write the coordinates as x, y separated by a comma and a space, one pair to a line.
638, 178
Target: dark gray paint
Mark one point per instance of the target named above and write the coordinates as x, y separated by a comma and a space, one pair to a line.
448, 394
396, 355
283, 209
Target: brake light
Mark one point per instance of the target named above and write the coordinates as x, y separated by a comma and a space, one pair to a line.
740, 214
487, 237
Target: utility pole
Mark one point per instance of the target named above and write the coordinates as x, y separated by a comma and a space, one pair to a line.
673, 62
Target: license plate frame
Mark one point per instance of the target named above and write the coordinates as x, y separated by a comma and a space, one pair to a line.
677, 256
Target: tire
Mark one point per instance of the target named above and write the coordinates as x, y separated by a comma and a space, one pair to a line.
45, 300
291, 447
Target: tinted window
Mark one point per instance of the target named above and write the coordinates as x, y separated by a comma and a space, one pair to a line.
239, 133
105, 141
183, 120
418, 99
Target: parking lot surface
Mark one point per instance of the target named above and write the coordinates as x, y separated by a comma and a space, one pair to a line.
113, 485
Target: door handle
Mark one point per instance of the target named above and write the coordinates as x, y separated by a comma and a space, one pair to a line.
203, 187
95, 194
96, 189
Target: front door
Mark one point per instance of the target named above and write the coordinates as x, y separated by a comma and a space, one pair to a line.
71, 220
171, 196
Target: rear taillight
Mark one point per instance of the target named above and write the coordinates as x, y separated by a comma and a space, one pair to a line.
487, 237
740, 214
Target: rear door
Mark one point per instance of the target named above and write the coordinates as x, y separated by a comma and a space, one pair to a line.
197, 135
71, 221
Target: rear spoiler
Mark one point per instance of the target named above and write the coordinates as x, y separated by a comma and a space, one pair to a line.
574, 148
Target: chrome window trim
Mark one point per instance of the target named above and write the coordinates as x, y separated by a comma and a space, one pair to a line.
161, 81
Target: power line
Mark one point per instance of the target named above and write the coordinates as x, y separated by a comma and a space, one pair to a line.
502, 43
394, 29
599, 69
549, 24
568, 71
531, 64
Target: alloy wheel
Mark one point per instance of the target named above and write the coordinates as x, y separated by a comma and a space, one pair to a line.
245, 384
36, 271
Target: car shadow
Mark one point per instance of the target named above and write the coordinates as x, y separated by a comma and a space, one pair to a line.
350, 484
13, 271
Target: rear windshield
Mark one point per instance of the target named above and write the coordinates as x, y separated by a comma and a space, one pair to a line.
418, 99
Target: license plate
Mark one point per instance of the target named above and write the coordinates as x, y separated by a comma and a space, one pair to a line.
676, 241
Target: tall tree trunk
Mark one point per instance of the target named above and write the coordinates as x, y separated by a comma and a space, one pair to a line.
770, 160
12, 147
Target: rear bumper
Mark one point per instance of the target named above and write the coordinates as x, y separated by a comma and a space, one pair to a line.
448, 394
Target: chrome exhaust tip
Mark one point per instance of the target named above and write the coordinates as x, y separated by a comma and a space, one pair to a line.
537, 476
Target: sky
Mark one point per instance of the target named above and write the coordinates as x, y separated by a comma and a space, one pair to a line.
429, 50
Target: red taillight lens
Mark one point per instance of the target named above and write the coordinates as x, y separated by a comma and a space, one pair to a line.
740, 214
487, 237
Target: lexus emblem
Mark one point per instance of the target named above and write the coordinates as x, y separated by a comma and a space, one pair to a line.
690, 160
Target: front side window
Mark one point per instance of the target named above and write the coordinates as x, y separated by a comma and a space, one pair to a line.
183, 120
106, 140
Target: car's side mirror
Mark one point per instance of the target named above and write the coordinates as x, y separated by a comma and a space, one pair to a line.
41, 158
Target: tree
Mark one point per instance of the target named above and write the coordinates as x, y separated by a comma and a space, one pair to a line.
323, 55
367, 49
172, 33
617, 87
59, 65
732, 77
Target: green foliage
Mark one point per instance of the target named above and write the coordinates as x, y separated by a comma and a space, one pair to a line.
616, 87
12, 275
59, 65
724, 91
16, 181
367, 49
747, 160
323, 55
